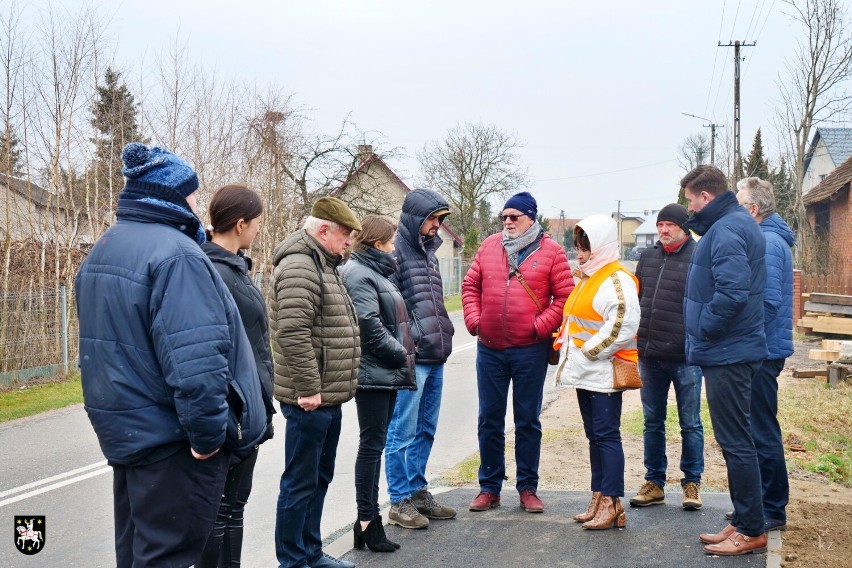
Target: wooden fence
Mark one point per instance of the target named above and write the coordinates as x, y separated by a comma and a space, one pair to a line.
827, 283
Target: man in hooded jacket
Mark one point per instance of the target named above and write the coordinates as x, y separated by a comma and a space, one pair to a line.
411, 431
757, 197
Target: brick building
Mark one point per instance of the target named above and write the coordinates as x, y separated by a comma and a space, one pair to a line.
829, 215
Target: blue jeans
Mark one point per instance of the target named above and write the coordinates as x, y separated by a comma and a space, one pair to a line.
729, 397
657, 376
526, 368
411, 432
310, 448
767, 440
601, 412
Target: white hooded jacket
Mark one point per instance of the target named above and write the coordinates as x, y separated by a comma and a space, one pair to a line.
578, 368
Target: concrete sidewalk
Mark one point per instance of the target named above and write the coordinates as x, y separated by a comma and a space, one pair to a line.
509, 537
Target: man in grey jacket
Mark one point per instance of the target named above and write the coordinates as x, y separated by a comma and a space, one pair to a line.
316, 350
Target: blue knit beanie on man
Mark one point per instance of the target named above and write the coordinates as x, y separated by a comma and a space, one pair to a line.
523, 202
155, 175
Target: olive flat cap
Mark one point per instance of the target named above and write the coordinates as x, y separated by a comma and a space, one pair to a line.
333, 209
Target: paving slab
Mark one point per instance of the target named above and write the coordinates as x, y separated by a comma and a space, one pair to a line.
660, 535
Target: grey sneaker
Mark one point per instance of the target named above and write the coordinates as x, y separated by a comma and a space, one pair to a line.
429, 507
691, 496
406, 515
649, 494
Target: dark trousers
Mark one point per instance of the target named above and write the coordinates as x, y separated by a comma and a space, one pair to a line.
766, 433
728, 390
164, 511
526, 368
225, 545
310, 448
375, 409
601, 412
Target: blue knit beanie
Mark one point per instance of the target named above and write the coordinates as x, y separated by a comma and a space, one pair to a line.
157, 172
523, 202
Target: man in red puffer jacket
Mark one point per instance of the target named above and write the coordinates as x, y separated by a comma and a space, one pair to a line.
513, 296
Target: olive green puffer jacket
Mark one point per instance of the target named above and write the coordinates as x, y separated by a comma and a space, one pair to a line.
315, 339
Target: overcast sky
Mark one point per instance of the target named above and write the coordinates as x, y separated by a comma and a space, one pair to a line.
594, 89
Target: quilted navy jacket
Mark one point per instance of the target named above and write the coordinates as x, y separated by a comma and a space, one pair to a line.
419, 279
163, 354
778, 295
723, 308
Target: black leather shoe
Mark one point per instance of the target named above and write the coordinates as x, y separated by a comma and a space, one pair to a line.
774, 525
326, 561
729, 515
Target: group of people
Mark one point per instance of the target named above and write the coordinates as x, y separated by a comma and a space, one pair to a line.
181, 360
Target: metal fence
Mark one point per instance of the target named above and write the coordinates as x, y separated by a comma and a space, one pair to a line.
38, 335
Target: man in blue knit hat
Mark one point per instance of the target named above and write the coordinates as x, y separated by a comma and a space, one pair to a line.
513, 297
160, 341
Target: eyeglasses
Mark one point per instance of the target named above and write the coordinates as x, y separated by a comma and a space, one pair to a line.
512, 218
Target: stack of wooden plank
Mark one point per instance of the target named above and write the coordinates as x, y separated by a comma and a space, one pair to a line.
827, 313
832, 350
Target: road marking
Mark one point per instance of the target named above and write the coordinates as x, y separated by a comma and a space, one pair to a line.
464, 347
75, 475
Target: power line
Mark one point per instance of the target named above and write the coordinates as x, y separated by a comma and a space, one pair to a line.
605, 173
715, 60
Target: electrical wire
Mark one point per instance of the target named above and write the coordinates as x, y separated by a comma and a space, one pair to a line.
605, 173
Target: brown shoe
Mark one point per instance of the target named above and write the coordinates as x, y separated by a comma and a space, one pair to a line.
530, 501
405, 515
429, 507
649, 494
716, 538
691, 496
485, 501
610, 514
737, 544
591, 510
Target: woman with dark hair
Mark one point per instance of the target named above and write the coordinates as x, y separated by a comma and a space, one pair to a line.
387, 365
601, 319
235, 213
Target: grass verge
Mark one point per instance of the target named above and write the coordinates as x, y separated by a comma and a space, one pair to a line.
41, 397
817, 425
633, 422
453, 303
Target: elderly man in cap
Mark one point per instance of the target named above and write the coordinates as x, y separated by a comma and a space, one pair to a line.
317, 349
513, 297
662, 361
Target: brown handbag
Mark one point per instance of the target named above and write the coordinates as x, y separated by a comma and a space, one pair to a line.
625, 375
552, 354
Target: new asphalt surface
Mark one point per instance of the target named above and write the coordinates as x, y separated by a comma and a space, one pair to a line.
660, 535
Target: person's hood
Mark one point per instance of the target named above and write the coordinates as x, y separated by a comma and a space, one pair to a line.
603, 238
723, 204
418, 205
776, 224
220, 254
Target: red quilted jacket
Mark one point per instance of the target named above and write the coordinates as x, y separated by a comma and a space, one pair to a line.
499, 310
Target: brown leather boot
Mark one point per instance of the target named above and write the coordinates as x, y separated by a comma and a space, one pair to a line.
591, 510
610, 514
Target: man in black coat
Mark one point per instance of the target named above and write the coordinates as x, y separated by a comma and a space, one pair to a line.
662, 273
415, 417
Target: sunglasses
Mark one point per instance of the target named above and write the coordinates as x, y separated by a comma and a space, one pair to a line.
512, 218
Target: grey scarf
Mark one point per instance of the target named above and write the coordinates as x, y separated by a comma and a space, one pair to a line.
515, 246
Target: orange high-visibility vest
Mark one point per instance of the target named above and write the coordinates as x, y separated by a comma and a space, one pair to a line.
584, 322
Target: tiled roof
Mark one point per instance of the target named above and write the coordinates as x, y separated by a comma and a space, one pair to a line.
39, 196
649, 227
838, 142
831, 184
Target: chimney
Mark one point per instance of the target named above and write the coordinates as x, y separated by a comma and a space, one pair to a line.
365, 151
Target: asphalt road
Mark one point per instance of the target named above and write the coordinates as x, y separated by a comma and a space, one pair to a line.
52, 466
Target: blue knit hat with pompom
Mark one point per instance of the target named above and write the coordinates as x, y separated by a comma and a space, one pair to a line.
157, 172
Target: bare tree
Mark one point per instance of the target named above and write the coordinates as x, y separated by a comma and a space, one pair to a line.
812, 90
471, 165
693, 151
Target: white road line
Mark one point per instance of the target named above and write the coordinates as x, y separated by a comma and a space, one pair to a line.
464, 347
75, 475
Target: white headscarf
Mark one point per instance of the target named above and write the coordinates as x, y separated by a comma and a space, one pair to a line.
603, 239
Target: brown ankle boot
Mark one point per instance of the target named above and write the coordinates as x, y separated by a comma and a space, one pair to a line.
591, 510
610, 514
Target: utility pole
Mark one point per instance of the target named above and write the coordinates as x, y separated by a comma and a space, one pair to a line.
619, 229
712, 126
562, 227
738, 157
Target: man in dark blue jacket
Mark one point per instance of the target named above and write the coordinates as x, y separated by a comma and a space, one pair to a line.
415, 417
662, 273
757, 197
163, 356
723, 313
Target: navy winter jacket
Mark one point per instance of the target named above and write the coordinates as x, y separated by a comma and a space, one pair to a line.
723, 308
419, 279
163, 353
778, 295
